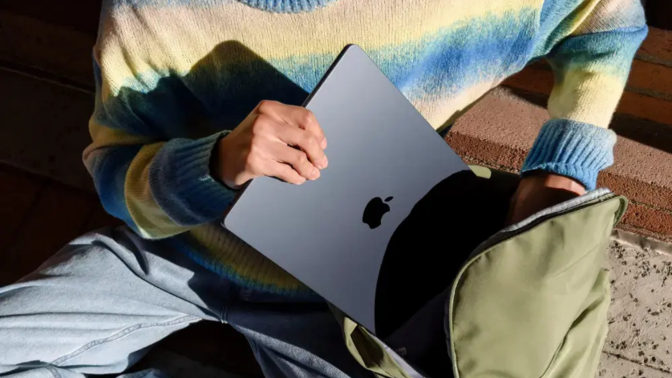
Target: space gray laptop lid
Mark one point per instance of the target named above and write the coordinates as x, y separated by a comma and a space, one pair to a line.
332, 233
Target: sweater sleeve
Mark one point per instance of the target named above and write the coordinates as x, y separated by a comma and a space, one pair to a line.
591, 61
146, 174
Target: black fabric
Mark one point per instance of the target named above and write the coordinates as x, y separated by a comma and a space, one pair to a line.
430, 246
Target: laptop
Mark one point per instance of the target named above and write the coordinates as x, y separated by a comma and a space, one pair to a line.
332, 234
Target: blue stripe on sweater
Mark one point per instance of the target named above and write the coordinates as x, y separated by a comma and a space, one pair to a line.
603, 52
228, 91
108, 166
181, 183
184, 244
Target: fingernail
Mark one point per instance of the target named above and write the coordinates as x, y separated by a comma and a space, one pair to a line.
324, 163
324, 143
315, 173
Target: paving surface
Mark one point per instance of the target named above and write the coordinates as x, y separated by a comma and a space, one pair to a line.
640, 316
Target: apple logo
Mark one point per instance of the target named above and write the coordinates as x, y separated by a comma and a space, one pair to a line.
374, 211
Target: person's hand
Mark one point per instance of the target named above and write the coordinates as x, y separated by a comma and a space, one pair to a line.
540, 190
275, 140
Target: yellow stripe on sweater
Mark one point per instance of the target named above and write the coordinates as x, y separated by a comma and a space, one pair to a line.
165, 39
582, 13
444, 110
586, 96
608, 15
242, 259
103, 136
150, 219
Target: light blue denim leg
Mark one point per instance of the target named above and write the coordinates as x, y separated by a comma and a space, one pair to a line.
98, 304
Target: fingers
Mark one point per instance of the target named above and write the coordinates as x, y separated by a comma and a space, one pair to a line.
296, 116
306, 141
286, 142
305, 119
297, 159
285, 173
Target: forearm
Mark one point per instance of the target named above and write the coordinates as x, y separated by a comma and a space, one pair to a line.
591, 66
181, 184
160, 189
158, 184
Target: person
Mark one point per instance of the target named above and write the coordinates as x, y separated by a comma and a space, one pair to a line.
196, 98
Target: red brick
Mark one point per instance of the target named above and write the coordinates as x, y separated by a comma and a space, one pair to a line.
487, 152
500, 129
651, 194
646, 171
56, 219
18, 192
654, 220
657, 46
646, 107
70, 14
644, 76
532, 80
48, 127
651, 77
61, 51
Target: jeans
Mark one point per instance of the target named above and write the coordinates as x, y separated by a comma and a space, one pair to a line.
100, 303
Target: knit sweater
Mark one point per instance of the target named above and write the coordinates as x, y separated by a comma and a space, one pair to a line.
173, 76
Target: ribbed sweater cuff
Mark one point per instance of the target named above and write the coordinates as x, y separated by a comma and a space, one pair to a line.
574, 149
183, 185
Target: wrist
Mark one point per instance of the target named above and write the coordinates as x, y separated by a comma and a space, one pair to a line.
570, 148
539, 190
554, 181
217, 163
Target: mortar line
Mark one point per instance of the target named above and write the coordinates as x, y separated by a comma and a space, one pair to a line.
649, 206
652, 59
37, 74
619, 356
648, 93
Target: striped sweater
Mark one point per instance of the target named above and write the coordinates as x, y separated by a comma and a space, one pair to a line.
172, 76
